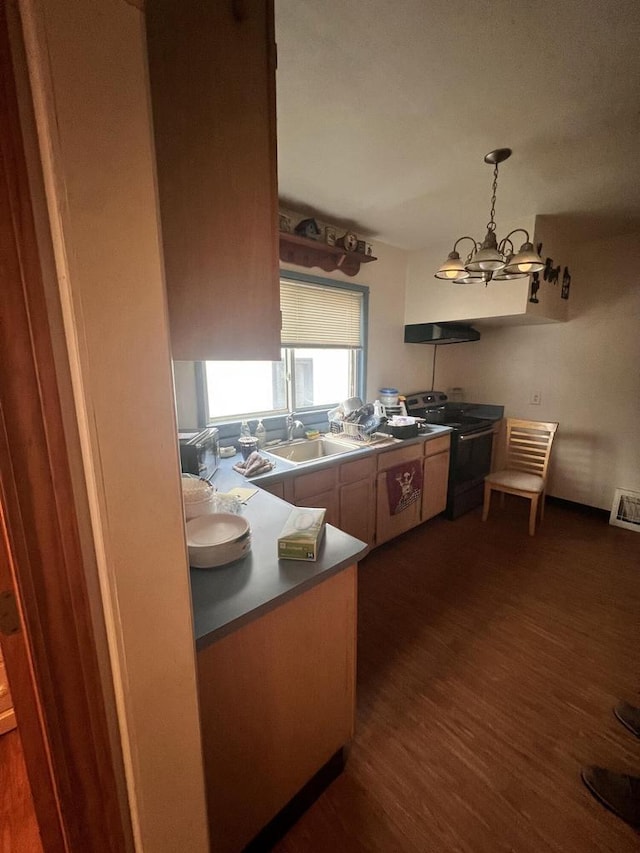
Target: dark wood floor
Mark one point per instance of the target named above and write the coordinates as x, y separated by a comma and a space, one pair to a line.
18, 827
489, 663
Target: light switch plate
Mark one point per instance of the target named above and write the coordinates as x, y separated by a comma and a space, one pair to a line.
536, 398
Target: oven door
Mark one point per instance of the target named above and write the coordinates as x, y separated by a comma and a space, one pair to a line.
470, 463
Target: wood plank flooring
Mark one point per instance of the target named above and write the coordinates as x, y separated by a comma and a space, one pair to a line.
489, 662
18, 827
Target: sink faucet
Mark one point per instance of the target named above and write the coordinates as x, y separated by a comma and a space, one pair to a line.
292, 425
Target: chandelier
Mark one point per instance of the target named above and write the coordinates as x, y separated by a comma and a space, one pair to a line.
492, 260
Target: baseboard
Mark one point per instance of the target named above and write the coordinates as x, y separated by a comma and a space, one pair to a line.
595, 511
295, 808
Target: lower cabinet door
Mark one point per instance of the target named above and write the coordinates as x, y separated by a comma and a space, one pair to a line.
388, 525
277, 700
327, 500
435, 484
357, 509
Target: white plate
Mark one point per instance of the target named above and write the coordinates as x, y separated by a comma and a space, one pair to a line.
219, 555
215, 529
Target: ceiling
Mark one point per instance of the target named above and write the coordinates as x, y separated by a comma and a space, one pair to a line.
386, 109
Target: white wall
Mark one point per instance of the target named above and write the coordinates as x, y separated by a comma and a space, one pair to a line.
87, 63
431, 300
587, 370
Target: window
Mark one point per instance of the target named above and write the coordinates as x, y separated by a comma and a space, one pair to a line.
322, 357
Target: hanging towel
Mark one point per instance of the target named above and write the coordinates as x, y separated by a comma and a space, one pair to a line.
404, 485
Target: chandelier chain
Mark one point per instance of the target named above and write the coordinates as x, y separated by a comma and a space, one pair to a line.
491, 225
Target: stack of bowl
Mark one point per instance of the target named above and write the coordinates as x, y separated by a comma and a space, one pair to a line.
217, 539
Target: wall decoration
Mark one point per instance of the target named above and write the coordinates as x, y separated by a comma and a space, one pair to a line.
308, 228
364, 248
284, 223
551, 273
330, 235
535, 287
566, 284
348, 241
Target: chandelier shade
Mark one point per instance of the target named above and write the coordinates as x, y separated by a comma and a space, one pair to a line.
526, 261
452, 269
491, 259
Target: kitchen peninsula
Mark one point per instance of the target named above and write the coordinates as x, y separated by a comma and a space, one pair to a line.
276, 657
276, 643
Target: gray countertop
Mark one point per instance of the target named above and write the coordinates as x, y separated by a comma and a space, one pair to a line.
227, 597
285, 469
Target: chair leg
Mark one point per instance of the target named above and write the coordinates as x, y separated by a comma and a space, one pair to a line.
501, 500
487, 501
532, 515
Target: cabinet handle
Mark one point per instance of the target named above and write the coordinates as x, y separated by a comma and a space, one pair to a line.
475, 435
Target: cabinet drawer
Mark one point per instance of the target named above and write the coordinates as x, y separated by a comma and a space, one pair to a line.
359, 469
329, 501
313, 484
437, 445
397, 457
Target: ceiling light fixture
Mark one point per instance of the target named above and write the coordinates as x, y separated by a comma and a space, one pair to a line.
490, 259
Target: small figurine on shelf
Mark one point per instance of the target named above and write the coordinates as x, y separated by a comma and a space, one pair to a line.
330, 235
308, 228
284, 223
348, 241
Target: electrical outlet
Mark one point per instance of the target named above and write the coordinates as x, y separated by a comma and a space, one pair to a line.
536, 398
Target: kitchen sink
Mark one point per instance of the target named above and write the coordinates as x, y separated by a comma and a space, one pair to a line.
308, 449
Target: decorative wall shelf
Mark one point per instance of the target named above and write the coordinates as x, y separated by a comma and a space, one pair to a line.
313, 253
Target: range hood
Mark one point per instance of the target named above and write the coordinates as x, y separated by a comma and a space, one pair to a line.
439, 333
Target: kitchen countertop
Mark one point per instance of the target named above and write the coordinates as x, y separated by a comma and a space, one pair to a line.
285, 469
227, 597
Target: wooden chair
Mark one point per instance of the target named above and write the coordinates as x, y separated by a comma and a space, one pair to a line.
525, 474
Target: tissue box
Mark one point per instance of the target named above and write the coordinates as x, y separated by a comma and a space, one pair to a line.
302, 534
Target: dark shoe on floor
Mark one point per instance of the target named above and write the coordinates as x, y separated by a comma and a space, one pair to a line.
629, 716
617, 791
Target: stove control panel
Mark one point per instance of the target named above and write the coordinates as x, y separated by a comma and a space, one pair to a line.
423, 399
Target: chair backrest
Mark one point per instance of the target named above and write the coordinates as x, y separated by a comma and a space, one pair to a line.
529, 445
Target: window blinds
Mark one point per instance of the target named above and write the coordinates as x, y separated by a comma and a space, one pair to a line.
316, 316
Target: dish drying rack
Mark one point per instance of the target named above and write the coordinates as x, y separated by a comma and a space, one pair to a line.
355, 432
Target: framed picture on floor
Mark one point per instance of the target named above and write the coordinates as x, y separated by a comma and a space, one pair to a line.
625, 510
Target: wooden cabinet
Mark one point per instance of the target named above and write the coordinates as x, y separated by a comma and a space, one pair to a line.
276, 702
355, 493
357, 498
318, 489
435, 484
388, 525
212, 75
327, 500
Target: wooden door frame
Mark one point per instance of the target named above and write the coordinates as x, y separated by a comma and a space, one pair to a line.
52, 663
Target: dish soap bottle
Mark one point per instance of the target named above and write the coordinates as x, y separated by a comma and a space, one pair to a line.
261, 434
245, 432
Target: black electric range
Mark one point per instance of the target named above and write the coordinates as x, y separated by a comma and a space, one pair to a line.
471, 446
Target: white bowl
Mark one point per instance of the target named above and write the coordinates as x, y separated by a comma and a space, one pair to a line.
217, 539
197, 496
